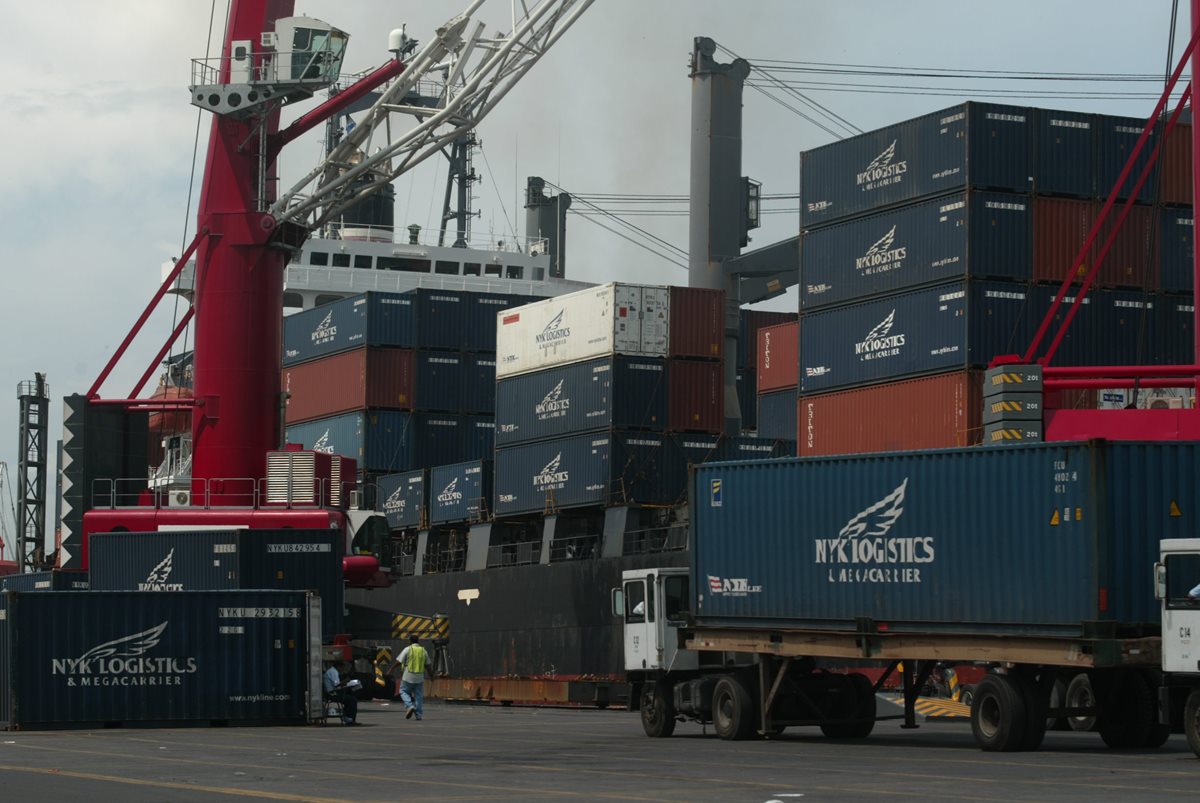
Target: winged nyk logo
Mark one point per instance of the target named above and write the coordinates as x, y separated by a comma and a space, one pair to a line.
553, 333
551, 477
883, 170
450, 495
881, 257
322, 444
157, 579
553, 405
879, 342
325, 331
395, 503
124, 662
865, 551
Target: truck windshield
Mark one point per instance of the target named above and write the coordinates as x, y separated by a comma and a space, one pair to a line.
1183, 581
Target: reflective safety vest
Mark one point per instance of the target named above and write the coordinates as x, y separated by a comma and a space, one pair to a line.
416, 659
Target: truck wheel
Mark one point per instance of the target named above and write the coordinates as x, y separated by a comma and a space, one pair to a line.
998, 715
1079, 695
732, 709
857, 700
1127, 712
1037, 702
658, 710
1191, 721
1058, 699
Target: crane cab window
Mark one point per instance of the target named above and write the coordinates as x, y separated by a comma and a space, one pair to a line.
675, 598
1183, 581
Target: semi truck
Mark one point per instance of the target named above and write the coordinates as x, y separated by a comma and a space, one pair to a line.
1030, 560
1177, 586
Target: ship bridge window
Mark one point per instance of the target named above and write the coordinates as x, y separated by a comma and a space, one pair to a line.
318, 258
446, 267
400, 263
362, 261
470, 269
539, 274
341, 260
493, 270
515, 272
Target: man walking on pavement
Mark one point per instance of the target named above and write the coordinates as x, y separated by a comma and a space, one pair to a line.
414, 659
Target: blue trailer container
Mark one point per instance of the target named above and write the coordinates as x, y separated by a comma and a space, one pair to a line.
965, 235
401, 499
1115, 141
1177, 236
621, 393
1064, 153
387, 440
978, 145
219, 560
1038, 539
441, 381
193, 656
777, 415
594, 469
45, 581
479, 394
460, 493
943, 328
369, 319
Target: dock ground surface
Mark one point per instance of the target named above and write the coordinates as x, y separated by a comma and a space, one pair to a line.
462, 752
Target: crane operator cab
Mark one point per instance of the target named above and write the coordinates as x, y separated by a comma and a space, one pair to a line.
308, 50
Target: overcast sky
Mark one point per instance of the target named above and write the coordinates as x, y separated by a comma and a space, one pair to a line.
99, 134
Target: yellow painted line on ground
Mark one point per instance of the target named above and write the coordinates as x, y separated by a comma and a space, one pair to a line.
191, 787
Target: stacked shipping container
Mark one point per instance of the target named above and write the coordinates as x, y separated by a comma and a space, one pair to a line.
932, 246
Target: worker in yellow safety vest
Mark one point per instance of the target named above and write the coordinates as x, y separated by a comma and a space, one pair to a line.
414, 660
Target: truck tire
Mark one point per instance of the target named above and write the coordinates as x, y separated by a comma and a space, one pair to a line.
732, 710
1127, 713
1191, 721
1037, 703
856, 701
1058, 699
998, 715
658, 710
1079, 695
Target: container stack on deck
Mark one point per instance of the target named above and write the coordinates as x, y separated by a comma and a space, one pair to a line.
933, 245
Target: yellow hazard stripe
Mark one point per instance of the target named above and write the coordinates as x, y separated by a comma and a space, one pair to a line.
404, 625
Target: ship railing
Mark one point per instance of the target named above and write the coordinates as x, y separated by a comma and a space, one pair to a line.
404, 565
655, 540
359, 280
578, 547
226, 492
445, 559
428, 238
521, 553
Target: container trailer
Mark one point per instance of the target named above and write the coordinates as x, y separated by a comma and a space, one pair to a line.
1031, 559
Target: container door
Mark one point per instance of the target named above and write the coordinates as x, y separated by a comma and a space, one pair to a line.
1181, 613
656, 320
626, 319
641, 651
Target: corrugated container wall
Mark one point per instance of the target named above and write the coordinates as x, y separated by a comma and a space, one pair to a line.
602, 321
1178, 322
1132, 258
749, 322
441, 317
973, 234
45, 581
401, 499
777, 415
1177, 167
480, 378
370, 319
481, 437
1177, 235
747, 382
928, 331
778, 357
958, 554
697, 323
976, 145
744, 447
297, 560
609, 393
481, 317
388, 440
696, 396
460, 493
1065, 153
1115, 141
352, 380
699, 447
200, 656
1060, 228
1113, 327
441, 380
933, 412
638, 468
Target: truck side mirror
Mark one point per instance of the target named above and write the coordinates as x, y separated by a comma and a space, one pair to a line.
618, 602
1160, 581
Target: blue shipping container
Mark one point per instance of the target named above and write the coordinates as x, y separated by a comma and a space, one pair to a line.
479, 395
699, 447
1034, 539
1064, 153
744, 447
747, 390
1115, 141
45, 581
369, 319
441, 319
943, 328
401, 499
777, 415
1177, 321
480, 326
1177, 235
620, 393
639, 468
966, 235
441, 381
202, 656
460, 493
481, 437
387, 440
1112, 327
983, 146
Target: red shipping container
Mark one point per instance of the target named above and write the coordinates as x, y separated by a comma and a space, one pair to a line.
352, 380
695, 396
1131, 260
751, 321
1060, 227
1177, 167
778, 357
697, 323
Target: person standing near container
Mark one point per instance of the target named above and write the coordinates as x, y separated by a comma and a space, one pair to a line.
414, 660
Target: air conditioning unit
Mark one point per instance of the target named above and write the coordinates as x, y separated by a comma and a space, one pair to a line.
269, 39
179, 499
356, 500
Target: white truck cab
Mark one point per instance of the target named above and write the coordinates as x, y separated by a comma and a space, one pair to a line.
653, 605
1177, 586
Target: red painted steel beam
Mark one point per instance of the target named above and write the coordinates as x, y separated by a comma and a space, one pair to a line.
158, 358
1195, 188
335, 104
1117, 382
137, 327
148, 404
1064, 372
